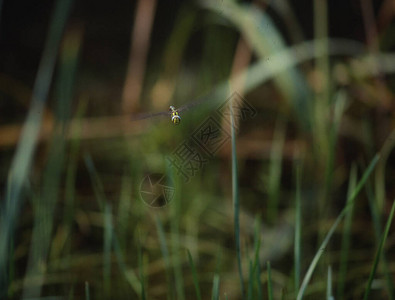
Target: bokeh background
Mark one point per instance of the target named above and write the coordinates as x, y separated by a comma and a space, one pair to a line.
295, 203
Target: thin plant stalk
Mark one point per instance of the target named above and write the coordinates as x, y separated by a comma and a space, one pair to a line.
346, 238
298, 228
236, 204
379, 252
269, 282
22, 160
215, 293
194, 275
322, 248
329, 295
165, 253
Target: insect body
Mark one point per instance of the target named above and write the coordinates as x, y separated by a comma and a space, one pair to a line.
172, 112
175, 117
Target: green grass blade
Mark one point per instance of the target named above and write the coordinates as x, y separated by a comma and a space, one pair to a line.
107, 242
194, 275
165, 253
346, 238
129, 274
21, 163
141, 269
276, 159
236, 204
329, 295
269, 282
87, 292
124, 208
176, 245
321, 250
377, 221
71, 173
215, 293
257, 266
379, 251
96, 182
45, 206
250, 280
298, 227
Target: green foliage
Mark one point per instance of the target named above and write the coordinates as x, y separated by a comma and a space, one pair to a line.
74, 222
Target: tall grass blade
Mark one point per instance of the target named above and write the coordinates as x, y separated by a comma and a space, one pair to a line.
175, 244
45, 205
329, 295
165, 253
269, 282
321, 250
71, 173
87, 291
215, 293
250, 280
265, 38
379, 252
257, 265
236, 204
124, 208
129, 274
346, 238
276, 156
141, 269
107, 244
96, 182
22, 160
194, 274
377, 221
298, 227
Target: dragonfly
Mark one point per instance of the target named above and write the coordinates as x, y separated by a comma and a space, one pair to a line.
172, 113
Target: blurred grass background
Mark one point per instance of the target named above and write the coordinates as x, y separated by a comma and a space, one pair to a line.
297, 203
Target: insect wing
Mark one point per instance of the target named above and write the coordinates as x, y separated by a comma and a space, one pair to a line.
191, 105
149, 115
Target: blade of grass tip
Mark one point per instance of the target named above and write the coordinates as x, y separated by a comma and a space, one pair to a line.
269, 282
22, 159
165, 253
317, 256
346, 238
87, 292
379, 251
329, 295
215, 293
107, 242
298, 227
194, 275
236, 204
